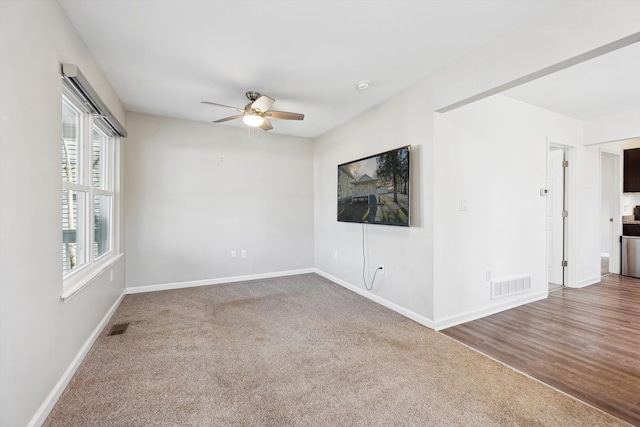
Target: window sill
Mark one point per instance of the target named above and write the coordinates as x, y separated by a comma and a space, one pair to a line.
73, 285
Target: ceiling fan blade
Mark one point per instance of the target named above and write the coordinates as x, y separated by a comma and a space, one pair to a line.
226, 119
263, 103
283, 115
266, 125
222, 105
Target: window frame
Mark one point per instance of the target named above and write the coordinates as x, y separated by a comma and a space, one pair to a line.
108, 184
77, 278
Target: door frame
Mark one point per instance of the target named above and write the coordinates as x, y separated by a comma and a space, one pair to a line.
569, 274
616, 211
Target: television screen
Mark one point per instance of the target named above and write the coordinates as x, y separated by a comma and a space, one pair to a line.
375, 189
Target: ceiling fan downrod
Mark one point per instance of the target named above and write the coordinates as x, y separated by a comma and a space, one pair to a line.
253, 96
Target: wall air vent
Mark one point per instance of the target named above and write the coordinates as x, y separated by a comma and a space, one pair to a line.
509, 286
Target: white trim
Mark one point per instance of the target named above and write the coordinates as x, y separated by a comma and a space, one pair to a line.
572, 207
66, 185
81, 281
610, 150
207, 282
425, 321
590, 281
80, 276
571, 271
593, 53
117, 192
616, 206
179, 285
488, 311
43, 411
101, 192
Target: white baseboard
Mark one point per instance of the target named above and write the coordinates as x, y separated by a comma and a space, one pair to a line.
477, 314
207, 282
590, 281
179, 285
375, 298
43, 412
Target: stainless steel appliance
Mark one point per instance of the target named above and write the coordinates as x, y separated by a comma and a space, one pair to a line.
631, 256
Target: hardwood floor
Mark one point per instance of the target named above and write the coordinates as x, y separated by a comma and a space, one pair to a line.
552, 287
584, 342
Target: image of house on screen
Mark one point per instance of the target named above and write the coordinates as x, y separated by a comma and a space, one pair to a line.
365, 189
345, 181
375, 189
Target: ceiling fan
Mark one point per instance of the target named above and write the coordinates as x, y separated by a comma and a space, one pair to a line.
256, 113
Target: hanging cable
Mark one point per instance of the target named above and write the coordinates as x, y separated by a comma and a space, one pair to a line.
364, 264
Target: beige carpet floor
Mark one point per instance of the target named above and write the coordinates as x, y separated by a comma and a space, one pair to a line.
295, 351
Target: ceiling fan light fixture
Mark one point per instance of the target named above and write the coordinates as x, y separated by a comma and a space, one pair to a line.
257, 113
253, 120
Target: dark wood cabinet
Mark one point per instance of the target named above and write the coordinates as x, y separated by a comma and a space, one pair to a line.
631, 229
631, 171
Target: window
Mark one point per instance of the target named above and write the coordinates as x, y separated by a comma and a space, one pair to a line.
88, 183
102, 196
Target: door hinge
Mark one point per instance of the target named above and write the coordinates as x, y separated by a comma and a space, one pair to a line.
565, 163
565, 214
565, 263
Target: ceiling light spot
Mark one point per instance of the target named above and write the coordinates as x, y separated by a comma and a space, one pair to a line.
362, 85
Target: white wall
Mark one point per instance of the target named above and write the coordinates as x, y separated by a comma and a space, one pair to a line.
573, 29
614, 127
628, 200
589, 208
197, 191
406, 252
416, 258
493, 155
40, 335
587, 217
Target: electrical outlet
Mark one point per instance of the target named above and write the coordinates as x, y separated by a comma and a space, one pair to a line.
244, 253
381, 268
233, 254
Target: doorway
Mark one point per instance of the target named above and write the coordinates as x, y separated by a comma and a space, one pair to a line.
556, 217
609, 209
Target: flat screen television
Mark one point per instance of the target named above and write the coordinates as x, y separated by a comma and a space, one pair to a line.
375, 189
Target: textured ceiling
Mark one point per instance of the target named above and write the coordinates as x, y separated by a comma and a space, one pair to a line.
164, 57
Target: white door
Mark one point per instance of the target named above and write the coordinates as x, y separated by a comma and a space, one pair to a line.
610, 214
555, 223
606, 214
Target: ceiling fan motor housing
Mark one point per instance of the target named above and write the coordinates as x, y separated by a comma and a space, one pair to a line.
252, 95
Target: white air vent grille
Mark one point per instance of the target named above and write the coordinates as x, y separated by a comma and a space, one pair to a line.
509, 286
